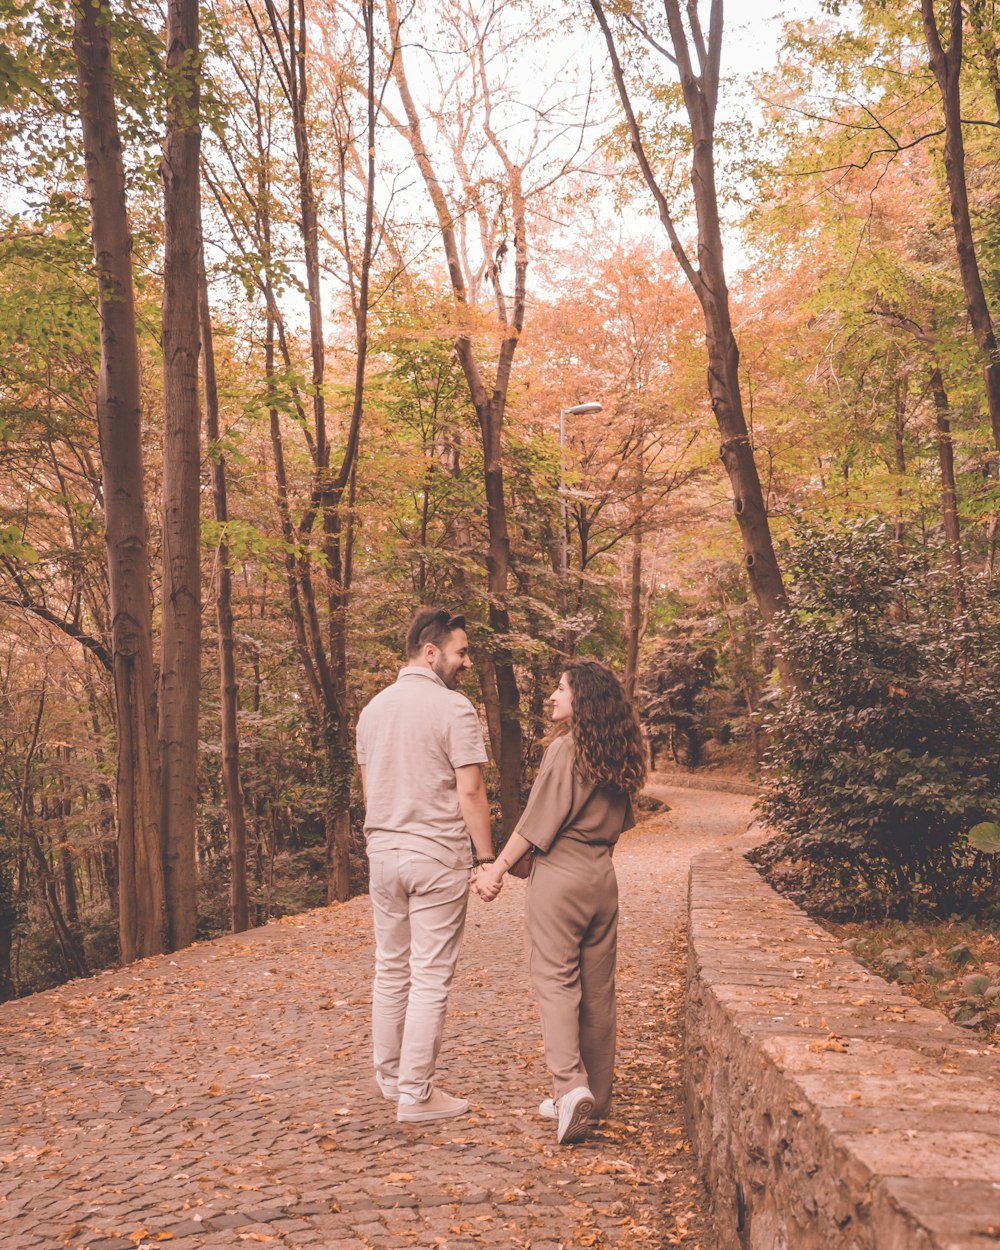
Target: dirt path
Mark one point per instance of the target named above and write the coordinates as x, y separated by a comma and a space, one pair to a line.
221, 1097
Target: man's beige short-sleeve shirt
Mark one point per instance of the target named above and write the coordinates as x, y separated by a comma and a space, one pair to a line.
411, 737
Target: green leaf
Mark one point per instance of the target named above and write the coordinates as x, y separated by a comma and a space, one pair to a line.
13, 546
986, 837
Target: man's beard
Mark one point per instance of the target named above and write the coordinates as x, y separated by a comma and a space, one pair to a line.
449, 679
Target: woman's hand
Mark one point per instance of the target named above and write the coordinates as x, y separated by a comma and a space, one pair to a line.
487, 882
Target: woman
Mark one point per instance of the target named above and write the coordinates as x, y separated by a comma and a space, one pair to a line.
577, 809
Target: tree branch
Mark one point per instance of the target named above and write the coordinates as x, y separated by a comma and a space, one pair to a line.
638, 148
93, 645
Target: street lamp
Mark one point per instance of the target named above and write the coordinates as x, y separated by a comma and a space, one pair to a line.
578, 410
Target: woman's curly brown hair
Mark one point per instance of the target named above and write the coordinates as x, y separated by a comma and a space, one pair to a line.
607, 740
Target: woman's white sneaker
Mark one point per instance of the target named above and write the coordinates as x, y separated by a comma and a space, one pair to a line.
575, 1110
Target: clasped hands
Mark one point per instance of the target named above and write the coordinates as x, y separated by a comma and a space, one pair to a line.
486, 882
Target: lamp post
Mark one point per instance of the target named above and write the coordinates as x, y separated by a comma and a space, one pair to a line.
578, 410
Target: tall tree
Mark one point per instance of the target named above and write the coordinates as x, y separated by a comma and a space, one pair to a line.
232, 785
949, 493
142, 894
947, 66
180, 656
498, 678
695, 55
318, 588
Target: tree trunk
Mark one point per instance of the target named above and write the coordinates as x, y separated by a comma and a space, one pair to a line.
142, 900
325, 655
69, 942
992, 542
239, 903
7, 987
947, 67
708, 280
949, 494
507, 752
67, 858
490, 408
898, 434
180, 664
633, 629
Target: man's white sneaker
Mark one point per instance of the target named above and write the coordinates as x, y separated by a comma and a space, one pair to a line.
388, 1089
575, 1110
439, 1106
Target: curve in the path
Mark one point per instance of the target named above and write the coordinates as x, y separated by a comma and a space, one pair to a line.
220, 1097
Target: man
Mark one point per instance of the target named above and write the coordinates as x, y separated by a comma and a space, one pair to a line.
420, 749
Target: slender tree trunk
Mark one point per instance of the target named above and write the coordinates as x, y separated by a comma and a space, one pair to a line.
69, 942
992, 542
106, 851
949, 493
982, 19
899, 444
700, 86
180, 664
947, 67
239, 902
634, 615
327, 653
508, 751
633, 630
7, 987
67, 868
67, 858
142, 899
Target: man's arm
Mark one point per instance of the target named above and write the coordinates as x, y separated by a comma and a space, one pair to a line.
475, 808
364, 787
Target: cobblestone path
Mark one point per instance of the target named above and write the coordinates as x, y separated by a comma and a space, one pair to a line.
221, 1097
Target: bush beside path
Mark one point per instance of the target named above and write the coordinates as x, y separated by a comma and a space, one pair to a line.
221, 1096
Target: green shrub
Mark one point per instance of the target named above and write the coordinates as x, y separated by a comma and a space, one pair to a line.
887, 755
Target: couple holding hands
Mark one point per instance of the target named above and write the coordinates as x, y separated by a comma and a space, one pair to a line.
420, 749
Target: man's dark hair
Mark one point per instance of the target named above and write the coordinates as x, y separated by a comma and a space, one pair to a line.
430, 625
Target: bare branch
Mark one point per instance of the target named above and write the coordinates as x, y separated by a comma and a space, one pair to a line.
639, 149
69, 628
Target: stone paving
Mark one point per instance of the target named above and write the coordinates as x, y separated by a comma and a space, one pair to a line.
221, 1097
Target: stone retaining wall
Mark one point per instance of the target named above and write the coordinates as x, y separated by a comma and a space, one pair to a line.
829, 1110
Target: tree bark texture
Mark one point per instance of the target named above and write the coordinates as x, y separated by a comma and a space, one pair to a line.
708, 279
633, 629
7, 987
142, 899
899, 448
239, 904
180, 664
949, 492
947, 67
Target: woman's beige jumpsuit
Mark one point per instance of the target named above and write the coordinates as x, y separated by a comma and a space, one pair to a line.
572, 920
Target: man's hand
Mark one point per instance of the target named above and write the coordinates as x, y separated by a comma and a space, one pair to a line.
487, 882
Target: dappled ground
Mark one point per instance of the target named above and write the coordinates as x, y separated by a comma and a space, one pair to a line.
221, 1096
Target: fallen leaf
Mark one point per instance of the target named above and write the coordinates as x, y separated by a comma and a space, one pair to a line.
830, 1043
